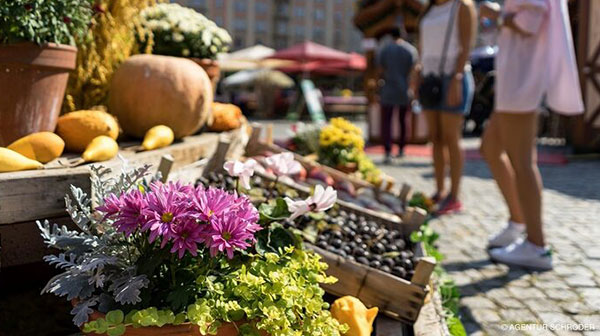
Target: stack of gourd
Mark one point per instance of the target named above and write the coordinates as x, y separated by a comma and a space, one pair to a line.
159, 98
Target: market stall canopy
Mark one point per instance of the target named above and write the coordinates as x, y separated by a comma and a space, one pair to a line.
355, 62
259, 77
310, 52
250, 58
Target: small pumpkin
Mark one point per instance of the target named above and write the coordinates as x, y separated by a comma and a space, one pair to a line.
226, 117
151, 90
79, 128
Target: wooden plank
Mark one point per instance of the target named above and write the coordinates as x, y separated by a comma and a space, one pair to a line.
215, 164
423, 271
165, 166
350, 275
405, 192
31, 195
38, 194
22, 244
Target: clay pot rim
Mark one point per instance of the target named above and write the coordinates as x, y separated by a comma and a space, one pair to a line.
46, 45
48, 55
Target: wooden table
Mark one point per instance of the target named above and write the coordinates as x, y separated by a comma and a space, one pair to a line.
33, 195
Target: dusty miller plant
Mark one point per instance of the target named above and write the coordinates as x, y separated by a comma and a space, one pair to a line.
95, 258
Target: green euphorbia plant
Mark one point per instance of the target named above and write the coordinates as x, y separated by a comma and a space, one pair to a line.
44, 21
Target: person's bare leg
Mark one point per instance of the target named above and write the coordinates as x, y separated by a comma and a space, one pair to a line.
494, 154
439, 161
452, 134
518, 132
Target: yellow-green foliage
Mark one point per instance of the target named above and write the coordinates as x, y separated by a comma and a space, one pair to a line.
111, 39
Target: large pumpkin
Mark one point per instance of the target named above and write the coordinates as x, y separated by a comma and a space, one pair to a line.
150, 90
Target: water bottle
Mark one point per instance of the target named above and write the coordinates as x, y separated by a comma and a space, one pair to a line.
416, 107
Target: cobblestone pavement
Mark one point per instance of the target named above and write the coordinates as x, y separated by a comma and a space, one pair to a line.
495, 297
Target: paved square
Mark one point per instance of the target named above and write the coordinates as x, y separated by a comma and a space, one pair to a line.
494, 295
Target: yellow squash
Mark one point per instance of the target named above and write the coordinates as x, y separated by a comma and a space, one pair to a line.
12, 161
79, 128
102, 148
43, 146
352, 311
158, 137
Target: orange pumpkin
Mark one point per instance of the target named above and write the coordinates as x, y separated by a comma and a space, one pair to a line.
151, 90
226, 117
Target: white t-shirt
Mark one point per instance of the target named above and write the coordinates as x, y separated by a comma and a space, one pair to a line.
529, 68
433, 28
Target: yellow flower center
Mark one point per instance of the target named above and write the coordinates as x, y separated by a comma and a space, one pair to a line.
167, 217
226, 236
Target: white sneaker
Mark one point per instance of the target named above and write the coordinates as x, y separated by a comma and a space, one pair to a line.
507, 236
525, 254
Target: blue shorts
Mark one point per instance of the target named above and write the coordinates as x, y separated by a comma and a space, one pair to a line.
468, 93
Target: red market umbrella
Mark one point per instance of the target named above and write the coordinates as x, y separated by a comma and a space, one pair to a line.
355, 62
310, 52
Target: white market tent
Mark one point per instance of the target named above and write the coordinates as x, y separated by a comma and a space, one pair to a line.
250, 58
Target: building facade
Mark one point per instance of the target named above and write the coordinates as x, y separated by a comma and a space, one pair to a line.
282, 23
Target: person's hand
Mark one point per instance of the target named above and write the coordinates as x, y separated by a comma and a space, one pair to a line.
455, 92
489, 10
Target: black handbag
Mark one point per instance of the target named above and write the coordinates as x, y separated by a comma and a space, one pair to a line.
431, 90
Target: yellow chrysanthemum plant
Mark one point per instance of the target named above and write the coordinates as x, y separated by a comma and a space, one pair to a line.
341, 144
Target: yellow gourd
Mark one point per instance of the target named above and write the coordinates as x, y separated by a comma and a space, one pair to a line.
158, 137
102, 148
42, 146
79, 128
12, 161
352, 311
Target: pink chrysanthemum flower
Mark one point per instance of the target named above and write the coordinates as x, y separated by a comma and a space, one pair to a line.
167, 205
132, 214
226, 233
112, 206
210, 203
247, 212
185, 237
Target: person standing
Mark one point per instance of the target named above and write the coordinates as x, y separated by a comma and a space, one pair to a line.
395, 61
447, 34
536, 59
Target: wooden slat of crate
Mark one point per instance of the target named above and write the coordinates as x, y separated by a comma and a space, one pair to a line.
31, 195
395, 297
350, 275
392, 294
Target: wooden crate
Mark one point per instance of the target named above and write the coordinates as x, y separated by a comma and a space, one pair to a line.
395, 297
257, 147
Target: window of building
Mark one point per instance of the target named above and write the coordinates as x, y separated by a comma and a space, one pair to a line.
319, 14
319, 34
239, 25
240, 6
299, 32
282, 27
299, 12
261, 7
219, 3
261, 27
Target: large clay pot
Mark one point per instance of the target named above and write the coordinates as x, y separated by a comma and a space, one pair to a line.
212, 70
33, 80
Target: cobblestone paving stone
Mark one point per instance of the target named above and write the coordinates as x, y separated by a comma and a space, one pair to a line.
494, 296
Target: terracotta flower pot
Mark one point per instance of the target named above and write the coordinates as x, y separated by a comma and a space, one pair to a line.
33, 80
228, 329
186, 329
212, 69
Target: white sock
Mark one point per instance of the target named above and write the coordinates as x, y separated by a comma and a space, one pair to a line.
518, 226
